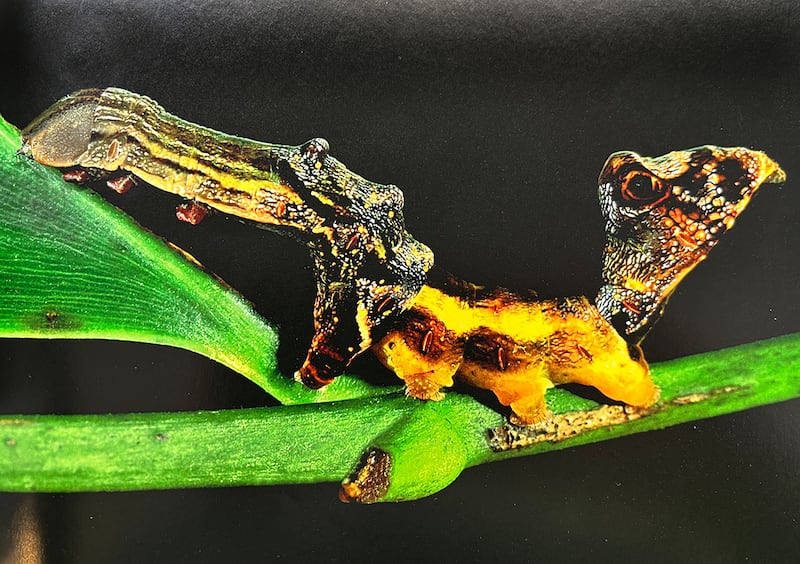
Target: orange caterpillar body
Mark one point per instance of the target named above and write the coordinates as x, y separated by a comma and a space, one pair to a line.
515, 347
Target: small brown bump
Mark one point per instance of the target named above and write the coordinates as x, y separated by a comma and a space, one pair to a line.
280, 209
502, 358
121, 185
191, 212
427, 341
113, 150
76, 175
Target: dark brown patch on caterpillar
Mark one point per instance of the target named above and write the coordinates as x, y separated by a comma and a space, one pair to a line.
489, 349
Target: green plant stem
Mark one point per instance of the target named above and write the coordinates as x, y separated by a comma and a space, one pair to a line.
324, 442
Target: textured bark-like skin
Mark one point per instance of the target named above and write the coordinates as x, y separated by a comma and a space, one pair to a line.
368, 266
663, 216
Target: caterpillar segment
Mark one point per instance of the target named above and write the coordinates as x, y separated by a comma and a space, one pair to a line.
514, 346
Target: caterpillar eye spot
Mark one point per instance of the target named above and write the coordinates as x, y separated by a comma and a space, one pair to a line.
642, 189
639, 187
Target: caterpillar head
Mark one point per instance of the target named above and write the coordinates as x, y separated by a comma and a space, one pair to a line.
61, 135
663, 216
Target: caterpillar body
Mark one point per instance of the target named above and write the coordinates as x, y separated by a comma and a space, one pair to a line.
367, 266
375, 286
516, 346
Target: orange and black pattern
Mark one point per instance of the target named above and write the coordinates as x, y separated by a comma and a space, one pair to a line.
663, 216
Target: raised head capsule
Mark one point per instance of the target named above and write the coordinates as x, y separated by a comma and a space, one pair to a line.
61, 135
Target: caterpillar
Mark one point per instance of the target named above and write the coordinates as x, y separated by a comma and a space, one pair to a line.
663, 216
376, 288
367, 267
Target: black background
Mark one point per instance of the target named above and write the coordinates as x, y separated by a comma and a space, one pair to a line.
494, 118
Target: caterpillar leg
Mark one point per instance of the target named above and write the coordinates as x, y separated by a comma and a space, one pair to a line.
528, 405
523, 392
428, 384
424, 386
78, 175
121, 184
191, 212
422, 353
